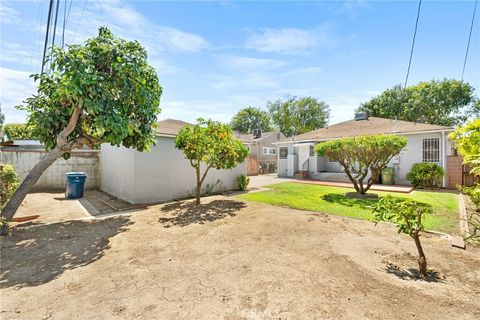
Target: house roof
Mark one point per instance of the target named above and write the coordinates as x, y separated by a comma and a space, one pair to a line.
170, 127
248, 138
372, 125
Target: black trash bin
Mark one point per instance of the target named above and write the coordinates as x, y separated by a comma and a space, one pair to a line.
75, 184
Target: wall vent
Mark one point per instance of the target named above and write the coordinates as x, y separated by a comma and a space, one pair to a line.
361, 116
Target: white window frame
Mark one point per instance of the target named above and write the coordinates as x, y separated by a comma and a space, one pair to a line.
431, 150
266, 151
280, 153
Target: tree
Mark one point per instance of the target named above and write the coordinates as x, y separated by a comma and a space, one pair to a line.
443, 102
250, 118
295, 116
2, 117
362, 155
103, 91
210, 144
18, 131
408, 216
467, 142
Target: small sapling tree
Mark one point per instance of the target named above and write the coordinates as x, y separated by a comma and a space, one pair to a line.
408, 216
362, 155
103, 91
212, 144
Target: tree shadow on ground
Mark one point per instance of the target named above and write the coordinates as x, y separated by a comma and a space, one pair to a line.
37, 254
349, 201
187, 212
413, 274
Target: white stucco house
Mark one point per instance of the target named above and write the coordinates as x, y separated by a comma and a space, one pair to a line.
426, 143
160, 175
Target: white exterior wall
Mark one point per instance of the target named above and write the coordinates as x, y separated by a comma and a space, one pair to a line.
24, 159
160, 175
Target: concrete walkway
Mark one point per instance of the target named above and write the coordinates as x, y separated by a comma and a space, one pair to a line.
260, 181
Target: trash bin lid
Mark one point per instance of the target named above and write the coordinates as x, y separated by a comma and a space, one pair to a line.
76, 174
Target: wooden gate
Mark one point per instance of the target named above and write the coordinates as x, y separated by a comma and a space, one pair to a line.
469, 179
458, 174
252, 166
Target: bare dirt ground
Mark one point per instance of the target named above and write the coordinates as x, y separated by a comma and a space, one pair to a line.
231, 260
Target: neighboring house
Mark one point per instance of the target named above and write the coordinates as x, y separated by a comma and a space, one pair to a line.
159, 175
262, 148
426, 143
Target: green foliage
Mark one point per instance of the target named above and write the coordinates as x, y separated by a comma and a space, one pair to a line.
467, 142
426, 175
443, 102
211, 143
405, 213
110, 80
2, 118
242, 182
18, 131
250, 118
474, 194
362, 155
295, 115
8, 183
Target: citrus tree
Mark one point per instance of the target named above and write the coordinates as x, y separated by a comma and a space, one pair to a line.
103, 91
210, 144
408, 216
362, 155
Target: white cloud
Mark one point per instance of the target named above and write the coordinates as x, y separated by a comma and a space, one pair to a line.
241, 62
9, 15
287, 40
15, 86
14, 52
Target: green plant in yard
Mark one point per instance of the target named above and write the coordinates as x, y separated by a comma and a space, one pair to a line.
212, 144
426, 175
18, 131
103, 91
242, 182
362, 155
8, 185
408, 216
250, 118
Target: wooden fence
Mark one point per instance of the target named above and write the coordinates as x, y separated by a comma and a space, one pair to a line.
252, 166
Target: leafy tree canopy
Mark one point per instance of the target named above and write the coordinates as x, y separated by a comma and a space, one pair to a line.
444, 102
467, 142
109, 83
213, 144
250, 118
2, 118
16, 131
362, 155
295, 115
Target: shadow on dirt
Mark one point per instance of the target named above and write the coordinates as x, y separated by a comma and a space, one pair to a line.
35, 255
187, 212
413, 274
349, 201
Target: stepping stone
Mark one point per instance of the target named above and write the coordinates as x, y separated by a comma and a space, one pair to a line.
458, 242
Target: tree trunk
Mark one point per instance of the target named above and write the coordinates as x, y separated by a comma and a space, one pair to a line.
199, 184
62, 146
17, 198
422, 260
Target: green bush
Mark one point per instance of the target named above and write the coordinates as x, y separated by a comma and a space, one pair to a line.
19, 131
474, 194
8, 184
242, 182
425, 175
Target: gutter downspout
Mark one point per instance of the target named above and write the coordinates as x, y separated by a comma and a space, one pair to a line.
444, 160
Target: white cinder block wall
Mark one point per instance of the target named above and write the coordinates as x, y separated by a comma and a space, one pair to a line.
23, 159
160, 175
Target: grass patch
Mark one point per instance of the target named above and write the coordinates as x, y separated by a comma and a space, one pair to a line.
332, 200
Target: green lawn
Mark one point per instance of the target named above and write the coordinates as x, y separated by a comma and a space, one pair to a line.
332, 200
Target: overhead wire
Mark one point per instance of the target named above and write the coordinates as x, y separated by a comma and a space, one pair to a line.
413, 43
79, 20
469, 38
47, 32
55, 25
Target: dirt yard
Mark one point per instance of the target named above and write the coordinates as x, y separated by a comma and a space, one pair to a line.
231, 260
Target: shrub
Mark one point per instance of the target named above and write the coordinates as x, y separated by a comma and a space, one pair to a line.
8, 183
425, 175
408, 216
18, 131
242, 182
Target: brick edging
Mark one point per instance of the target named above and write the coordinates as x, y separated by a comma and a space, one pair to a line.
464, 230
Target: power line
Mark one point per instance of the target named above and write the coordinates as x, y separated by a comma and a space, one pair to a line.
413, 43
55, 25
469, 37
46, 36
79, 20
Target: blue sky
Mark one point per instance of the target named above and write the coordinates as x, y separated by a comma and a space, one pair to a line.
213, 58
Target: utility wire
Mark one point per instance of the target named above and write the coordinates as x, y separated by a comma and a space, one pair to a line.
55, 25
64, 22
79, 20
469, 37
413, 43
47, 32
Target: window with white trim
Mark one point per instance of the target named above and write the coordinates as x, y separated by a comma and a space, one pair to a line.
283, 152
269, 151
431, 150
